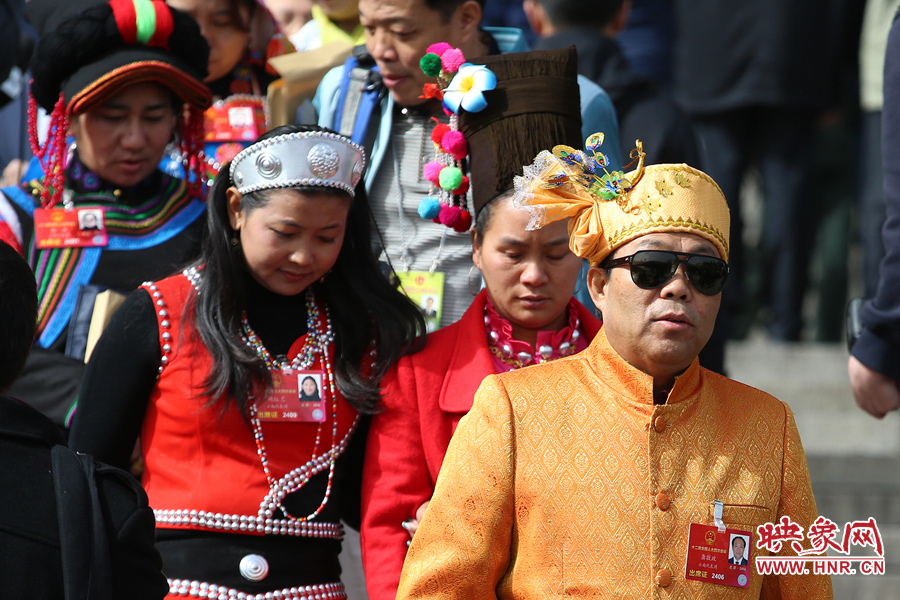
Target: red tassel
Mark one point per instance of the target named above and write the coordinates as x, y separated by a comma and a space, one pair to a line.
52, 155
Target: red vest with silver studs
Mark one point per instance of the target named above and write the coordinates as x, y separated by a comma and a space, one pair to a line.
206, 468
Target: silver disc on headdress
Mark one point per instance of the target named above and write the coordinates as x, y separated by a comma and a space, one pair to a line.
300, 159
268, 165
323, 161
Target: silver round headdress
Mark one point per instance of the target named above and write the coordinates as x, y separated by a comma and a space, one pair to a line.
308, 158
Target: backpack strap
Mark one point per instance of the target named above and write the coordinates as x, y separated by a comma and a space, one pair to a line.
84, 545
360, 95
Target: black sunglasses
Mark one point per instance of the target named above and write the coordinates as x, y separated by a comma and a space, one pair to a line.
654, 268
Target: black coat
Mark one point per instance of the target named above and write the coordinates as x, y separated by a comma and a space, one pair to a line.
30, 563
776, 53
645, 112
878, 346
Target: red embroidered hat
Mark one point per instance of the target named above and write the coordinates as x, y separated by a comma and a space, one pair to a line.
88, 51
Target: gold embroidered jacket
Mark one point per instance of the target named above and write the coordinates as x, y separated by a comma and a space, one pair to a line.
566, 480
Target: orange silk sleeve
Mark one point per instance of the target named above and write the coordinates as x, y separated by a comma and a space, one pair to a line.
462, 547
797, 502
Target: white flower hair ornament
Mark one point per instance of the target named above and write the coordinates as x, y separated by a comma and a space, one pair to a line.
467, 88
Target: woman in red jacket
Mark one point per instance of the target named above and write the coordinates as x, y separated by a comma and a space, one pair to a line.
524, 315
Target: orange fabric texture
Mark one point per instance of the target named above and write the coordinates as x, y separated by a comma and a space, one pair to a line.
549, 487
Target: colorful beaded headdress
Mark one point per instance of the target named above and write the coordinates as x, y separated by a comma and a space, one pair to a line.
608, 209
91, 55
308, 158
460, 85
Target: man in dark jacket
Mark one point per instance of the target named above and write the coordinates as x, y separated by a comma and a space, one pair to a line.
645, 111
755, 77
31, 562
875, 362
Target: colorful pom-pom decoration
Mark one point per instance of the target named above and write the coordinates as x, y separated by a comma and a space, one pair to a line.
450, 178
450, 215
453, 142
432, 172
446, 202
431, 64
437, 134
465, 222
452, 60
439, 48
429, 207
463, 187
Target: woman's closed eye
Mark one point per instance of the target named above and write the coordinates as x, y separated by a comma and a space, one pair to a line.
281, 234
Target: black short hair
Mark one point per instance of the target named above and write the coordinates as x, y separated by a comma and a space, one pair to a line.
18, 313
581, 13
446, 7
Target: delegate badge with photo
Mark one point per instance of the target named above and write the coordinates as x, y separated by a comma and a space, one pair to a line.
426, 290
235, 119
716, 556
70, 228
296, 396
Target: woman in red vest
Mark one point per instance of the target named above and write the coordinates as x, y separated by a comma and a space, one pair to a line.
248, 479
524, 315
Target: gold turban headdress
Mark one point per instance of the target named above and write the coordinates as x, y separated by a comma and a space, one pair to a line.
610, 208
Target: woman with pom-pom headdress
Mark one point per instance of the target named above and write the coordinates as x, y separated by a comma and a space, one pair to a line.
525, 313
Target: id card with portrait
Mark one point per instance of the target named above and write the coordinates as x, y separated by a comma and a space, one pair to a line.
70, 228
719, 557
296, 396
426, 290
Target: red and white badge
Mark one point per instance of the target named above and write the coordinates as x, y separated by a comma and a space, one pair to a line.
235, 119
70, 228
296, 396
718, 555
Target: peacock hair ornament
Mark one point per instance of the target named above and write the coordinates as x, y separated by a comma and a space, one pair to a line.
608, 209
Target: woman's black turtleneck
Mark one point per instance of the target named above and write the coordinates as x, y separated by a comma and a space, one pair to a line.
123, 367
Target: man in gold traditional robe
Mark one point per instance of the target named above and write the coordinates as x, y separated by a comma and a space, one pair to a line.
582, 477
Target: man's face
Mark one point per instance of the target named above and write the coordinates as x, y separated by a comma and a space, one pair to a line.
397, 34
659, 331
737, 547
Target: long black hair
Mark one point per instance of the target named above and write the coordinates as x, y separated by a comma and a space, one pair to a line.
373, 323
